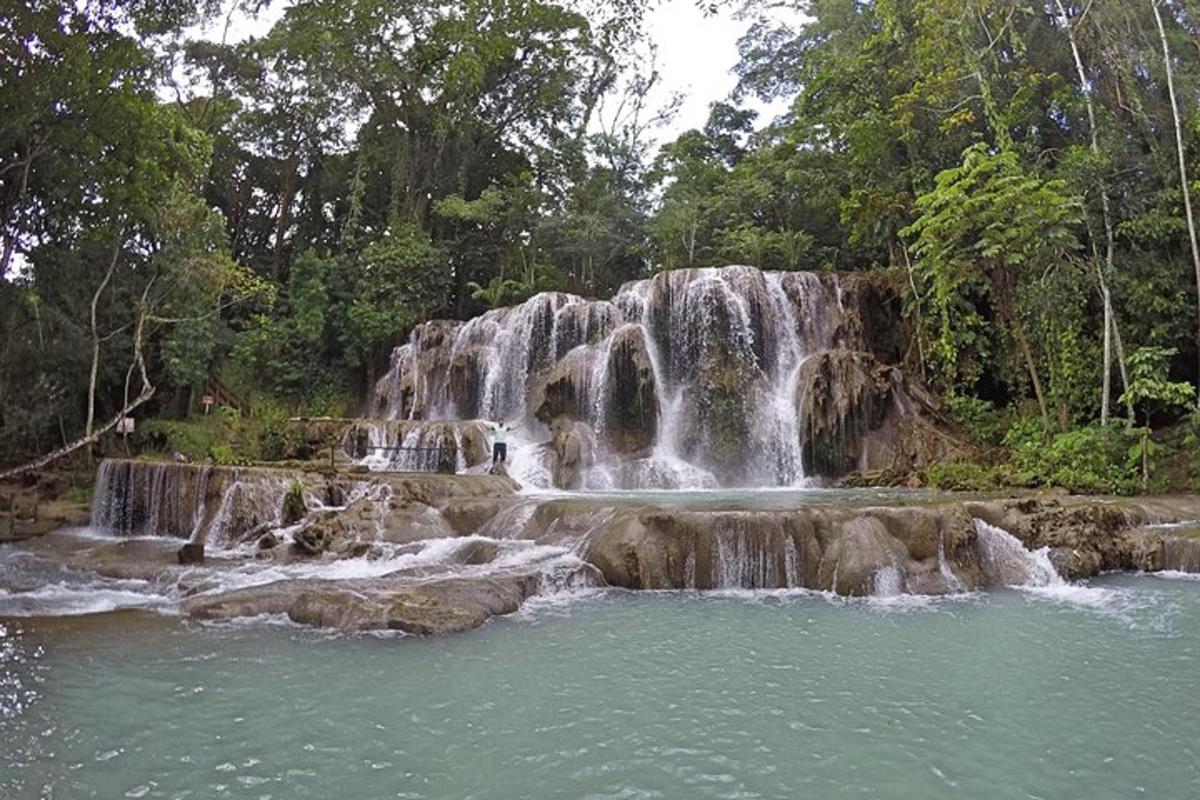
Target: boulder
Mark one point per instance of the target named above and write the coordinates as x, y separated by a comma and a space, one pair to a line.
268, 541
293, 509
858, 414
564, 390
319, 534
469, 515
429, 608
191, 553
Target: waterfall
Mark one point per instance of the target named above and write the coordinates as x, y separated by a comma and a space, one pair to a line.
219, 506
690, 375
952, 580
741, 551
151, 499
887, 582
1006, 562
375, 443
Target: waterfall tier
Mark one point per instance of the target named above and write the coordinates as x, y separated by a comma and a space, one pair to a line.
434, 553
697, 377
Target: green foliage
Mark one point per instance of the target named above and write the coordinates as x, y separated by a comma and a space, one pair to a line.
1148, 384
1090, 459
987, 227
1148, 367
399, 280
979, 418
966, 476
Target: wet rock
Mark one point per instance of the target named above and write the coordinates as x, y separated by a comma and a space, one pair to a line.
268, 541
293, 509
861, 548
665, 549
191, 553
1074, 564
335, 494
873, 316
480, 551
630, 403
564, 390
573, 452
469, 515
1179, 551
319, 534
430, 608
468, 370
840, 395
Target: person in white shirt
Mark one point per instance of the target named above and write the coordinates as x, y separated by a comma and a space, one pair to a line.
500, 442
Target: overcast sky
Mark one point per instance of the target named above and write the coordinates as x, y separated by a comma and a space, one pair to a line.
696, 56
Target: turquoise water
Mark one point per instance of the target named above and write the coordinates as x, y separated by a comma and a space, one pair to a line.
1063, 693
752, 499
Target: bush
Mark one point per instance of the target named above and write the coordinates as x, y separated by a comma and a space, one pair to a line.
193, 439
966, 476
980, 418
1088, 460
222, 453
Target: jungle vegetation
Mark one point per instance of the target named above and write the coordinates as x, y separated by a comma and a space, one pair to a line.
273, 215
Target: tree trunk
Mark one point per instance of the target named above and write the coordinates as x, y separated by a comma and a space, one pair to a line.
10, 235
1124, 375
112, 266
1102, 272
1003, 291
92, 436
285, 204
1183, 175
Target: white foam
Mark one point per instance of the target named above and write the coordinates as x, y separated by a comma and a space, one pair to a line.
66, 600
1176, 575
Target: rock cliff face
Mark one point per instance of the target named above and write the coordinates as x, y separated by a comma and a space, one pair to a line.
725, 376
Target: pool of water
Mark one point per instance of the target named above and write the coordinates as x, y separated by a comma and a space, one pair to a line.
752, 499
1087, 692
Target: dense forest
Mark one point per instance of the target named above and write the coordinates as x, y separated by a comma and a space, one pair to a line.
272, 216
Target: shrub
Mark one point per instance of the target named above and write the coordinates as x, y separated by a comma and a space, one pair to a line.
1092, 459
966, 476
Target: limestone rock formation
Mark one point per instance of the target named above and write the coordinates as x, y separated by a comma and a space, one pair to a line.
573, 452
435, 607
858, 414
630, 402
692, 366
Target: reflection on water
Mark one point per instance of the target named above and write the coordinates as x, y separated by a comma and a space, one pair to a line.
1065, 691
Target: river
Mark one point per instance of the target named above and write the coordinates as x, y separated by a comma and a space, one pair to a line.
1080, 690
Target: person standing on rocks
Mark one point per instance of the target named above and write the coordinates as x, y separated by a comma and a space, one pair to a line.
500, 442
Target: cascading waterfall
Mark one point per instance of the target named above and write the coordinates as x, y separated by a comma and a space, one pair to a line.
1007, 562
686, 379
406, 446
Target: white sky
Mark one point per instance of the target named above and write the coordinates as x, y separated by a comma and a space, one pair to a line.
696, 56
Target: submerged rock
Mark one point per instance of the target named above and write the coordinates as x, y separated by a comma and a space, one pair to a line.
429, 608
319, 534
